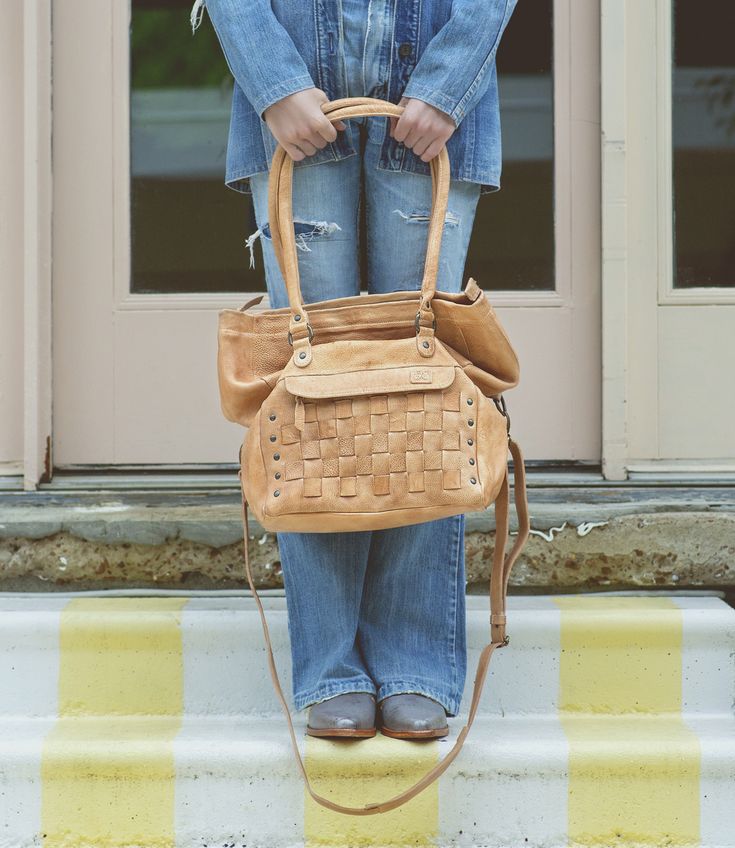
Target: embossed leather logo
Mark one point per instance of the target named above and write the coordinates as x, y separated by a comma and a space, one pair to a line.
420, 375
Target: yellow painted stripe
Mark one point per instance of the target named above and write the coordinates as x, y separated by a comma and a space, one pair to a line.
634, 766
358, 771
107, 767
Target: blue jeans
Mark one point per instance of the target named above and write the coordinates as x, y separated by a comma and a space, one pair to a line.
379, 611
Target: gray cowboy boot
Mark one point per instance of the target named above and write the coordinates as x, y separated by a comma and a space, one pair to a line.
409, 715
348, 714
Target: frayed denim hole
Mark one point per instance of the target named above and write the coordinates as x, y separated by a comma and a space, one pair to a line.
451, 219
304, 231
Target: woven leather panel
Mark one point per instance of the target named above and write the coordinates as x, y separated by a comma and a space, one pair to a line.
417, 445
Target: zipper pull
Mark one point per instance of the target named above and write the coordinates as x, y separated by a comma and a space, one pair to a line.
299, 413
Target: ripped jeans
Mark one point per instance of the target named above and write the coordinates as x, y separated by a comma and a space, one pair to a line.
380, 611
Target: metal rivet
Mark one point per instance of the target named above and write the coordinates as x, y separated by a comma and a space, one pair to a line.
470, 421
470, 442
273, 438
426, 344
297, 317
472, 462
302, 355
278, 492
276, 456
272, 416
472, 480
469, 401
278, 473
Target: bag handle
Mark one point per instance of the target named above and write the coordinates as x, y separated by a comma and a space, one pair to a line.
280, 216
501, 567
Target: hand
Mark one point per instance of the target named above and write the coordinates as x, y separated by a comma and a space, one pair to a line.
299, 125
422, 127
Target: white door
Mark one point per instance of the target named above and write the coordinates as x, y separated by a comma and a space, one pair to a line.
669, 177
149, 243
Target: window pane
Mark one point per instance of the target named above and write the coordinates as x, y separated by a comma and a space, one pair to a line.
704, 143
512, 245
188, 228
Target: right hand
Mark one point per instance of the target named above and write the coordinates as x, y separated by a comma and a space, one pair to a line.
299, 125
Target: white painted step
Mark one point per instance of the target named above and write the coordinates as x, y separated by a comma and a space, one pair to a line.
509, 786
226, 669
138, 721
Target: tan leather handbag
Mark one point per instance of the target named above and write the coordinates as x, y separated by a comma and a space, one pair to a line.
373, 411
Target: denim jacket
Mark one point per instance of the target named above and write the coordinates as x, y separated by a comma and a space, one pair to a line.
442, 52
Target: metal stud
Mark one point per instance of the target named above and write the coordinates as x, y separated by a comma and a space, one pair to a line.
426, 344
302, 355
277, 475
472, 480
273, 438
470, 421
297, 317
470, 442
469, 401
276, 493
276, 456
472, 462
272, 416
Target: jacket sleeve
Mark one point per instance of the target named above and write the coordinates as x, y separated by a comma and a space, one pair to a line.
452, 72
260, 54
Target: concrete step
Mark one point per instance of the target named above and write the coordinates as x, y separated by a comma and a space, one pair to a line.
607, 720
671, 651
539, 781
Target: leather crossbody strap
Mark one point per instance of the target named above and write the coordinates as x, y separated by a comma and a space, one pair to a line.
280, 210
501, 567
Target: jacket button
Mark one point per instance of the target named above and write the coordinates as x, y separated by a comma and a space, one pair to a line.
404, 50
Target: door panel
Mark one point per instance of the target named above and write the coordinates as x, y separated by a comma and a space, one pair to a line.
150, 244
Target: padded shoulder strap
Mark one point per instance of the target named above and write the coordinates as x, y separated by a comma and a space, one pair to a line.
501, 567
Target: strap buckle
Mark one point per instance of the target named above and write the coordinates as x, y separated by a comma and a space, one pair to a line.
310, 331
418, 318
499, 402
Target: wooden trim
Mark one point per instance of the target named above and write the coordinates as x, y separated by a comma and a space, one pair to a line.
37, 223
614, 239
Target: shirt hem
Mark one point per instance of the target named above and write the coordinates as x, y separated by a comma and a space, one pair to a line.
240, 182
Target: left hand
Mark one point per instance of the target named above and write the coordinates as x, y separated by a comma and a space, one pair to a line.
422, 127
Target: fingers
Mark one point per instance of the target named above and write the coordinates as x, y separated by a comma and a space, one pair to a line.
308, 142
414, 135
422, 128
431, 151
306, 139
299, 124
293, 151
326, 132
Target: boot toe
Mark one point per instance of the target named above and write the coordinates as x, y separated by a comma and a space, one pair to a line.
409, 715
348, 714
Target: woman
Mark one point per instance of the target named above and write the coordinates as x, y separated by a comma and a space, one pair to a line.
376, 618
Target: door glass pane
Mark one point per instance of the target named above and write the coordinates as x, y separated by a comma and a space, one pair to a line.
188, 228
512, 245
704, 143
